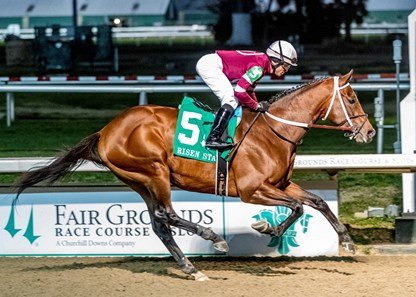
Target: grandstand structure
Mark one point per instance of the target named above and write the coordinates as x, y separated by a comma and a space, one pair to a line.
129, 13
133, 13
387, 11
31, 13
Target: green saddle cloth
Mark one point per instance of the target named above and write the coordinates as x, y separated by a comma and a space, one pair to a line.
192, 129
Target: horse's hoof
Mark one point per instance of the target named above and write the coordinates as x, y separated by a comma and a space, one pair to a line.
221, 246
348, 246
261, 226
199, 276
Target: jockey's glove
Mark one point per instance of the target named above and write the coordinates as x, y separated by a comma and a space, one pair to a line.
263, 106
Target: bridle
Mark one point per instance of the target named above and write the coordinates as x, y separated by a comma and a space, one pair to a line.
352, 131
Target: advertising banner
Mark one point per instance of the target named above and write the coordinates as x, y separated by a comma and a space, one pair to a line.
118, 223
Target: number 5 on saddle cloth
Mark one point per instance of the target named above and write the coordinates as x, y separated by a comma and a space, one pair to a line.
192, 129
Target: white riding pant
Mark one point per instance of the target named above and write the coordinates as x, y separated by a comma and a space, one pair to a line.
209, 68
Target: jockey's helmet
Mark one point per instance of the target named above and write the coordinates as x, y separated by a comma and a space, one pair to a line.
282, 52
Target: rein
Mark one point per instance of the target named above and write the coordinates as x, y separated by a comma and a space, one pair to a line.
233, 151
352, 130
278, 134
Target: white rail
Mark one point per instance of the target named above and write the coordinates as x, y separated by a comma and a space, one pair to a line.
42, 88
182, 79
143, 90
202, 31
399, 163
357, 162
130, 32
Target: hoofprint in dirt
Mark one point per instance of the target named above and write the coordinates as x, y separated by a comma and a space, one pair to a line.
335, 276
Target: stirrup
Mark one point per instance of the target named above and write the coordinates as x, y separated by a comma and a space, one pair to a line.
219, 145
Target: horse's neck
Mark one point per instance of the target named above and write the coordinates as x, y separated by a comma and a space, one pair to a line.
302, 106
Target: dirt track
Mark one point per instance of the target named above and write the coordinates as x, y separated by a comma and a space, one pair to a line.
340, 276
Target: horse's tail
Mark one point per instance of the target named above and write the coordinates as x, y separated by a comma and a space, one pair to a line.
86, 150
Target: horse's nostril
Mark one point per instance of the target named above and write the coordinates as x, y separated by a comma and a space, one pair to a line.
371, 133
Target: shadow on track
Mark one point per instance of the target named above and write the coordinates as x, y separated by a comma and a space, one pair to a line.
265, 266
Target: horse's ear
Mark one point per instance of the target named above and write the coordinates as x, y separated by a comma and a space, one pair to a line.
346, 78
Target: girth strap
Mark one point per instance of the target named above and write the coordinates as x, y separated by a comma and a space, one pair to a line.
221, 176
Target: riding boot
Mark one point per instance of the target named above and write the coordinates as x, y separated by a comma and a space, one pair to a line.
221, 120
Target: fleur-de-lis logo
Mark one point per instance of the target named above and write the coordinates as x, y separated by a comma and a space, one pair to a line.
12, 230
288, 239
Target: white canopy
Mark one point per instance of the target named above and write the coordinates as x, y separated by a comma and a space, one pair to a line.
41, 8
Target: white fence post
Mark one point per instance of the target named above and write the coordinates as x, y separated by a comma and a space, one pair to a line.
10, 108
143, 98
408, 120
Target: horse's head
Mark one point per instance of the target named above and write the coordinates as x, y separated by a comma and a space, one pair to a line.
343, 109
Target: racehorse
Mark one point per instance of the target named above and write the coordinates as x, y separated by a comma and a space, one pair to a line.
137, 146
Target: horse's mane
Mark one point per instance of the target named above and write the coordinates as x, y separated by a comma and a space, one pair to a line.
295, 88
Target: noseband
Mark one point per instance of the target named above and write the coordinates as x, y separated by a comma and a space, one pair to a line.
352, 131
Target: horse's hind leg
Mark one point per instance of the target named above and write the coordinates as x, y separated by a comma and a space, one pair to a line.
158, 203
206, 233
173, 219
319, 204
163, 231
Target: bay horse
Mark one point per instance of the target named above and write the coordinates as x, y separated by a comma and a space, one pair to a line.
137, 146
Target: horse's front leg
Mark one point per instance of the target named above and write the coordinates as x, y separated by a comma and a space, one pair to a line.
269, 195
319, 204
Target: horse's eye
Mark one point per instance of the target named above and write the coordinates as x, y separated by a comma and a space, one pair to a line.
351, 101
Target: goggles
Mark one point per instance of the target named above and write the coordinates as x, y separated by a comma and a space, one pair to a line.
292, 61
276, 62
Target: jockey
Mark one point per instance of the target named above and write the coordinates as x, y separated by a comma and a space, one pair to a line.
246, 68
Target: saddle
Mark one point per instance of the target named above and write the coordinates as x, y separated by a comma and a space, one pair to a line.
194, 123
193, 126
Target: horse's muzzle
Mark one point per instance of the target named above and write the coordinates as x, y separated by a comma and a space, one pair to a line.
363, 136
